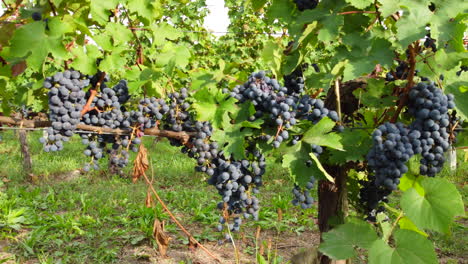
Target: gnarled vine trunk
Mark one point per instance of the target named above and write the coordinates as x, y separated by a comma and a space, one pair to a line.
333, 203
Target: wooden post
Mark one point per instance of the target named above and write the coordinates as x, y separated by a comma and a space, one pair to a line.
452, 158
27, 161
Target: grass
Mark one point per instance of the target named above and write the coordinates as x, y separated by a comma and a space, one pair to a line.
95, 217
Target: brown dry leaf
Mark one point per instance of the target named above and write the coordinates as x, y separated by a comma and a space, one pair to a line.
280, 215
162, 239
261, 250
140, 164
149, 199
192, 244
18, 68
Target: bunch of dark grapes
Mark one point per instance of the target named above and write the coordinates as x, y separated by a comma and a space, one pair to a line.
314, 110
109, 111
306, 4
294, 82
401, 72
283, 105
463, 68
269, 98
178, 118
430, 135
370, 195
36, 16
430, 42
390, 151
235, 180
66, 100
303, 197
395, 144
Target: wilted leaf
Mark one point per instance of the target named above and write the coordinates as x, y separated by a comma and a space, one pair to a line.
162, 239
192, 244
141, 164
149, 199
18, 68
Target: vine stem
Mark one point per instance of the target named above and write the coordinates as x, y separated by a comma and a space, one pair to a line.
432, 70
52, 7
413, 49
140, 47
93, 92
389, 234
6, 6
357, 12
181, 136
338, 98
236, 250
87, 107
175, 219
234, 79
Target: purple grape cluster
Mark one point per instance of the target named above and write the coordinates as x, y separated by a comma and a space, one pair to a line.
283, 105
306, 4
66, 100
395, 144
430, 135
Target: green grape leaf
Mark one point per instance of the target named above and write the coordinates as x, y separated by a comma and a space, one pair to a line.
410, 180
410, 248
202, 79
436, 208
412, 24
295, 160
376, 94
389, 7
449, 23
364, 60
102, 10
341, 241
258, 4
320, 134
104, 41
114, 62
281, 10
148, 9
356, 144
406, 223
179, 53
85, 62
384, 224
271, 56
361, 4
357, 67
119, 33
307, 35
214, 106
331, 28
292, 61
163, 31
321, 168
33, 41
232, 137
460, 91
